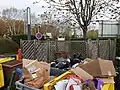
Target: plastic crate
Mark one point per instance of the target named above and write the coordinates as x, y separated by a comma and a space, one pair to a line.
109, 86
1, 76
20, 86
50, 85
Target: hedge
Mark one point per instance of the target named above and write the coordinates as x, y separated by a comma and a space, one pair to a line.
8, 46
17, 38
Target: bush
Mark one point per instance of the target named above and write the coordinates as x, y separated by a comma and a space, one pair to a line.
8, 46
93, 34
17, 38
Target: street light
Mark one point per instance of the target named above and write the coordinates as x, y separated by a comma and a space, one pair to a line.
24, 16
29, 22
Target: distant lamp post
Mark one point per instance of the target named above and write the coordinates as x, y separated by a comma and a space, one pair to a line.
29, 22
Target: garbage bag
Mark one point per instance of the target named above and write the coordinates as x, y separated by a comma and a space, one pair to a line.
77, 55
60, 60
63, 65
53, 64
117, 81
98, 83
76, 58
74, 61
56, 71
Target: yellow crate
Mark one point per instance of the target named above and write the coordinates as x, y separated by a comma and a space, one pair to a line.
50, 85
3, 60
1, 76
109, 86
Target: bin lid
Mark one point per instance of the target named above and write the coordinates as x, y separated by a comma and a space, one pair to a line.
12, 64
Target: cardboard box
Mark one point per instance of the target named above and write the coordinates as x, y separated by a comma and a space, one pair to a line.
108, 80
26, 61
35, 73
82, 74
32, 68
99, 68
33, 65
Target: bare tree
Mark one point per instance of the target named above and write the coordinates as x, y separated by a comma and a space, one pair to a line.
2, 27
34, 19
13, 17
54, 23
83, 11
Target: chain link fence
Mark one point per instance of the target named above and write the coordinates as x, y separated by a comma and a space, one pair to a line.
45, 50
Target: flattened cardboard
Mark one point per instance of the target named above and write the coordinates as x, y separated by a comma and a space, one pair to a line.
82, 74
99, 68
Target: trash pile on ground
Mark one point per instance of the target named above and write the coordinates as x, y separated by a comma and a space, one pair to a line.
68, 74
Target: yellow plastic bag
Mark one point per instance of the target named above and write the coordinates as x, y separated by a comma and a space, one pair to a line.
1, 76
109, 86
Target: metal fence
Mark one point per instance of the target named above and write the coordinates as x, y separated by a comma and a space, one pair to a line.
45, 50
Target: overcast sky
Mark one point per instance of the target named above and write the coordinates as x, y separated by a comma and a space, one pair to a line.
22, 4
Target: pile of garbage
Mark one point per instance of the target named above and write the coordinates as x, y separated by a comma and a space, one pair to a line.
65, 61
87, 75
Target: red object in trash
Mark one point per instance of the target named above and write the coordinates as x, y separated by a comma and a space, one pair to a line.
75, 87
62, 54
73, 82
73, 76
19, 55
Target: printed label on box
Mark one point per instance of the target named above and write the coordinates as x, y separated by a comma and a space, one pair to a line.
34, 76
32, 69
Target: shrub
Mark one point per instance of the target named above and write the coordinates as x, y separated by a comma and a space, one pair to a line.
17, 38
93, 34
8, 46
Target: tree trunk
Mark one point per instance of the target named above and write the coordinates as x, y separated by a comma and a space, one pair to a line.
85, 32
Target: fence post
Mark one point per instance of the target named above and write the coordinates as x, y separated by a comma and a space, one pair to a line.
98, 43
35, 49
115, 48
102, 28
87, 48
109, 43
21, 46
56, 46
48, 50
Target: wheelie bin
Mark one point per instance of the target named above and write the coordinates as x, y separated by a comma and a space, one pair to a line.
8, 68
